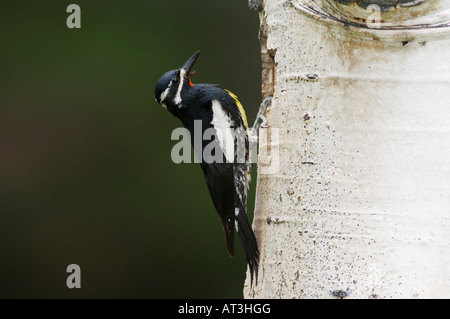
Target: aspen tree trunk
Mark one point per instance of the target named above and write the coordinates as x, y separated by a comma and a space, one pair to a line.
359, 203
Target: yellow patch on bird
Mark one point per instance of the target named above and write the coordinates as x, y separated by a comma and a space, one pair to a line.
240, 107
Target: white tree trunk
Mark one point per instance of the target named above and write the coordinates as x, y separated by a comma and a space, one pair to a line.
359, 206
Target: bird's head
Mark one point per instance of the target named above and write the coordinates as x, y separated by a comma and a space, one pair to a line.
171, 87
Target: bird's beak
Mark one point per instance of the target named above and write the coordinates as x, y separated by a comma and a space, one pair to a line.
187, 67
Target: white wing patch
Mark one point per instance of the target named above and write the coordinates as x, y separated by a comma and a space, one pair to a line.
223, 125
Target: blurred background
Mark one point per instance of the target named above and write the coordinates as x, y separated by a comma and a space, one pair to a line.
86, 175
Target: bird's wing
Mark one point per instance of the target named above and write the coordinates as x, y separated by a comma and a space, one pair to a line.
220, 181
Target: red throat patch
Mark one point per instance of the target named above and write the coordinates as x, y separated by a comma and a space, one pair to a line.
190, 83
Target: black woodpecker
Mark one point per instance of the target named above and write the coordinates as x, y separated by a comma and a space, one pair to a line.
227, 167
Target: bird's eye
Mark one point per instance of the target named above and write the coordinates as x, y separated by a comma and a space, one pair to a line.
175, 81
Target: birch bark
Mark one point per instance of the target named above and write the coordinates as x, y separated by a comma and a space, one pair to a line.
359, 203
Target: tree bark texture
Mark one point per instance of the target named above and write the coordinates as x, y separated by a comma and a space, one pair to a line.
359, 205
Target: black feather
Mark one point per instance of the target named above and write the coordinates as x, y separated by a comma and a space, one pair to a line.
249, 244
220, 181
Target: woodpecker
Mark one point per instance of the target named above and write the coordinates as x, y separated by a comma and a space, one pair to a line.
227, 170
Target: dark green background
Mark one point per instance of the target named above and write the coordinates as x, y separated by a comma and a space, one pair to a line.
85, 170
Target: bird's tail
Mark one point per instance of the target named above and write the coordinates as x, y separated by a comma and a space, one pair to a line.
248, 242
